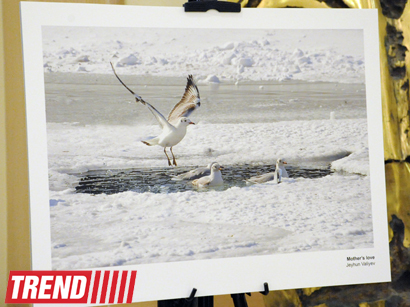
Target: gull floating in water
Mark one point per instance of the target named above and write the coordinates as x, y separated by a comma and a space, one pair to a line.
195, 173
214, 179
277, 176
174, 127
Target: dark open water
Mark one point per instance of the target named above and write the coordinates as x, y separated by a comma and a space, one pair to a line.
158, 180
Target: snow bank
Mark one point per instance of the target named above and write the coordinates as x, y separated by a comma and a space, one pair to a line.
228, 55
356, 163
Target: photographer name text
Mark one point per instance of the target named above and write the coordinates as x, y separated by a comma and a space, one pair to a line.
361, 261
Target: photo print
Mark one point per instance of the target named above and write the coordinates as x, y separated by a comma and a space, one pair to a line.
170, 146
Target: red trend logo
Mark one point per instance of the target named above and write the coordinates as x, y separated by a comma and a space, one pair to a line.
71, 287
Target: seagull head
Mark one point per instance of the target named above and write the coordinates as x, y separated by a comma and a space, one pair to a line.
185, 121
210, 164
280, 162
216, 167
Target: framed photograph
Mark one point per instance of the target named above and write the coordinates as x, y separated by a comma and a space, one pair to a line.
206, 150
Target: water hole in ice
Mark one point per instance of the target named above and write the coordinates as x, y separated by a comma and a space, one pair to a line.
159, 180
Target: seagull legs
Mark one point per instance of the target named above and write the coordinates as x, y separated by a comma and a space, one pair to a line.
173, 157
165, 151
174, 162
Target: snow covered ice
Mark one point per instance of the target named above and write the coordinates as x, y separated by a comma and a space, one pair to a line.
227, 55
265, 95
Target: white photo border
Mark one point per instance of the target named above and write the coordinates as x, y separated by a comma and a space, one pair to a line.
218, 276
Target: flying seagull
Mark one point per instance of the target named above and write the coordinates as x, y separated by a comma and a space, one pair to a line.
214, 179
173, 127
279, 173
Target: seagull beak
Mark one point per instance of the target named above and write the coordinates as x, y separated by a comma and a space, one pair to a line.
191, 123
284, 162
221, 168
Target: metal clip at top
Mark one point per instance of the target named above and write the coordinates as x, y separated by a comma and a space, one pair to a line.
205, 5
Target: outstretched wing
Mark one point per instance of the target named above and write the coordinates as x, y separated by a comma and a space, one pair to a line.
161, 119
189, 102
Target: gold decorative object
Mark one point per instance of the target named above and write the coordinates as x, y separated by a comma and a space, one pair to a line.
394, 28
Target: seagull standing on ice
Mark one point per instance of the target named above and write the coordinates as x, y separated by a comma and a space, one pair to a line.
173, 128
279, 173
214, 179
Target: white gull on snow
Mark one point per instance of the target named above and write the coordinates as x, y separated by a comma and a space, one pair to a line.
277, 176
173, 128
214, 179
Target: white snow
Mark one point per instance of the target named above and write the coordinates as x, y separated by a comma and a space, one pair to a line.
328, 213
212, 79
320, 55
